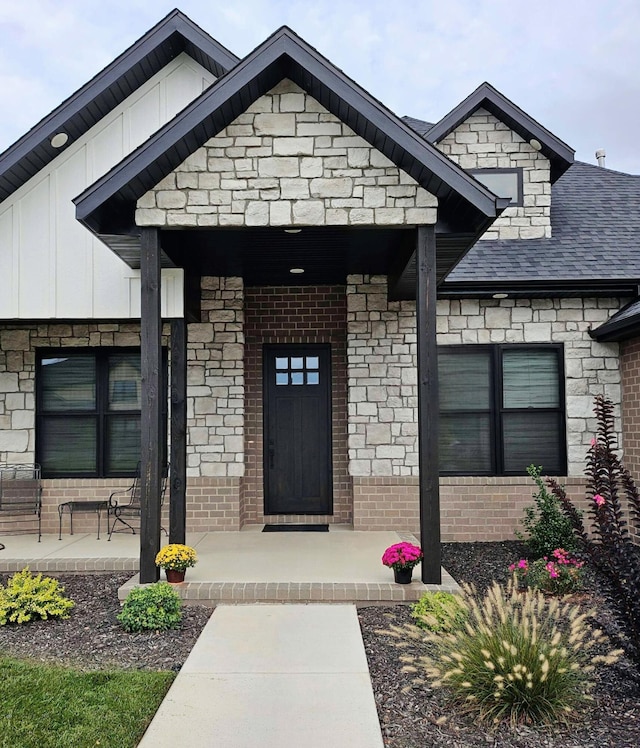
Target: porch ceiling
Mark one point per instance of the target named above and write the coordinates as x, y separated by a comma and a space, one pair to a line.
265, 256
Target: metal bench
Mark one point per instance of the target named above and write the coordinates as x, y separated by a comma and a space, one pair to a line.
21, 496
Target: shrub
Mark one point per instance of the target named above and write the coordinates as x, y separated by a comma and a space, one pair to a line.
157, 608
610, 490
439, 612
545, 522
27, 598
559, 575
520, 657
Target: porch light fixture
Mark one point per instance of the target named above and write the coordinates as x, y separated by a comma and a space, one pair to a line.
292, 231
297, 271
500, 296
59, 139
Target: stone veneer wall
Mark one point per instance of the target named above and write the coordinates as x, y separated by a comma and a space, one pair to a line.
215, 382
286, 161
304, 314
484, 142
382, 401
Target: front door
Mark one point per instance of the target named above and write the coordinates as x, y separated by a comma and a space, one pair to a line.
297, 429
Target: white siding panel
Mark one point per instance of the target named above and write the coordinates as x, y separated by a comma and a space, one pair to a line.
74, 286
144, 117
8, 301
51, 266
36, 292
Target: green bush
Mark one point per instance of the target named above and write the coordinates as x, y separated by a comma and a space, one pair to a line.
545, 522
28, 598
157, 607
520, 657
439, 612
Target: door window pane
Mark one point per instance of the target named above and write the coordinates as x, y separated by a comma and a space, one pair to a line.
68, 383
282, 378
312, 362
297, 377
297, 363
282, 363
313, 377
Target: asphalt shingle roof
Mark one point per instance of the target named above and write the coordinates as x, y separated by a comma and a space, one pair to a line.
595, 220
419, 125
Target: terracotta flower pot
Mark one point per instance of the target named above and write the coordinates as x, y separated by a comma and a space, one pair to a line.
175, 577
403, 576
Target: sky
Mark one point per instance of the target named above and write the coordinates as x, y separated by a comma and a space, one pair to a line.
573, 65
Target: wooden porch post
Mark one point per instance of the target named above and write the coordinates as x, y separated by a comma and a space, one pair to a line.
428, 405
178, 452
151, 411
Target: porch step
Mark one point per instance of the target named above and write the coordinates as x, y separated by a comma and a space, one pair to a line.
213, 593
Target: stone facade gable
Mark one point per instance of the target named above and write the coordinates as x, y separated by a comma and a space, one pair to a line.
286, 161
484, 142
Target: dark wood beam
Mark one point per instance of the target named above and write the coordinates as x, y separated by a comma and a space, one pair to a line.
178, 451
428, 404
151, 411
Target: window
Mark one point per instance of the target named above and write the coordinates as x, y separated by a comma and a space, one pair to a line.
88, 412
502, 182
501, 409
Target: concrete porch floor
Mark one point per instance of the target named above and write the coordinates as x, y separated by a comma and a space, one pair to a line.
248, 566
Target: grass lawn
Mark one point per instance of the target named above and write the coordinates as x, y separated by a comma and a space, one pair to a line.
48, 706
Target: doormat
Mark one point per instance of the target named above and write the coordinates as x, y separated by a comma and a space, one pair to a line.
295, 528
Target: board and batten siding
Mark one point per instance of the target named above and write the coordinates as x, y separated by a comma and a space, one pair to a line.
50, 265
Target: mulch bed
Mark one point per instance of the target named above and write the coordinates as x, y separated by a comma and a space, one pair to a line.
93, 639
423, 717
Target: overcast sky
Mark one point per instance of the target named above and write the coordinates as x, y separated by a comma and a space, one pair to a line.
574, 65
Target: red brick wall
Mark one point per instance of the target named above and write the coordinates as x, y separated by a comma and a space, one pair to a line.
294, 315
630, 373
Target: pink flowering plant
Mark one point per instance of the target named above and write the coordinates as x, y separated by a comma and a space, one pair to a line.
559, 574
402, 556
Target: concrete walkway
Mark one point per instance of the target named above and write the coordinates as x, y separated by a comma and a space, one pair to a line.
272, 675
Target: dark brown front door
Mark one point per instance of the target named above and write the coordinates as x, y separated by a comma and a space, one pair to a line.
297, 429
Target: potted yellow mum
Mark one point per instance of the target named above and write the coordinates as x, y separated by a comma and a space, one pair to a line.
175, 559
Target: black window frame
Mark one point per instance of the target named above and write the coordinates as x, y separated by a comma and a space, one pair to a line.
497, 409
517, 170
101, 412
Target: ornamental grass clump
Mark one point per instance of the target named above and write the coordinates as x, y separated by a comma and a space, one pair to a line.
520, 657
439, 612
176, 557
27, 598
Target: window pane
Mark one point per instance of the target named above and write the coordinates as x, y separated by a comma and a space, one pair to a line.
532, 438
123, 450
530, 379
297, 378
464, 380
297, 363
282, 378
465, 443
312, 362
313, 377
124, 381
68, 383
68, 445
502, 184
282, 363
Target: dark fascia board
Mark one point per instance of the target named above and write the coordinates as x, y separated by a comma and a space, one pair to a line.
487, 97
619, 327
283, 55
172, 35
539, 287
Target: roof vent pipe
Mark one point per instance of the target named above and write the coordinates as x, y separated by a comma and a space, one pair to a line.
600, 155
